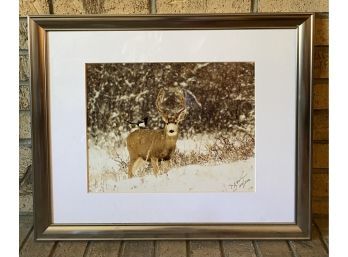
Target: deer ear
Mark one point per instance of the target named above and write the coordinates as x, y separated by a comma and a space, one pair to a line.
165, 119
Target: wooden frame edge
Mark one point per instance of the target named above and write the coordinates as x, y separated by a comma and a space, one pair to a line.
46, 230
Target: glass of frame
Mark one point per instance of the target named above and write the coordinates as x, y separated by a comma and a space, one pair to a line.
171, 127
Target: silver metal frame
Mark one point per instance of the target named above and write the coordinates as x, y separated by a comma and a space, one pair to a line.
45, 229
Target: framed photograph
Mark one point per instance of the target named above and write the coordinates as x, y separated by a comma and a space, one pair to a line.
171, 127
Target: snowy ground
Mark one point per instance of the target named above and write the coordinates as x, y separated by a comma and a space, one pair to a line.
108, 172
229, 177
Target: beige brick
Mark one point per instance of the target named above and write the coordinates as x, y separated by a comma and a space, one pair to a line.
25, 202
320, 156
23, 67
138, 248
24, 98
321, 62
171, 248
320, 125
23, 34
321, 36
320, 205
127, 7
26, 194
76, 249
293, 6
104, 249
320, 185
24, 125
308, 248
241, 248
25, 160
271, 249
203, 6
101, 7
323, 224
199, 248
33, 248
228, 6
68, 7
320, 95
30, 7
25, 226
181, 6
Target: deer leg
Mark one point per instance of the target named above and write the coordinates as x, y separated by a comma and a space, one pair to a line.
165, 166
137, 164
133, 165
130, 168
154, 163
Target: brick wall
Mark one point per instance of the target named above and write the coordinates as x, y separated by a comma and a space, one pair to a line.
320, 80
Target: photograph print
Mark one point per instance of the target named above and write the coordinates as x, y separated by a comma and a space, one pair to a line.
170, 127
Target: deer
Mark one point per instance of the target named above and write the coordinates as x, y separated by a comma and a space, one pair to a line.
154, 145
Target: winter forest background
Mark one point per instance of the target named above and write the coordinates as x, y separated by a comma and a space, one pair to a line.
217, 131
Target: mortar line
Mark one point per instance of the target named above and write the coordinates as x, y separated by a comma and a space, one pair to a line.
54, 247
320, 215
88, 245
321, 236
24, 83
293, 253
23, 52
257, 249
25, 142
188, 248
26, 174
293, 249
50, 6
254, 6
154, 248
153, 7
320, 46
24, 214
222, 252
26, 237
121, 249
320, 171
24, 111
320, 142
321, 80
322, 14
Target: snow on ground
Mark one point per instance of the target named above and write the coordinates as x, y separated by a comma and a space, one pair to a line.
226, 177
229, 177
108, 173
100, 161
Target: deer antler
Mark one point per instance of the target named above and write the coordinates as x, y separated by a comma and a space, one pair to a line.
182, 104
181, 112
159, 102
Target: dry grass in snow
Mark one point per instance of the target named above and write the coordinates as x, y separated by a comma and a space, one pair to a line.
227, 177
204, 163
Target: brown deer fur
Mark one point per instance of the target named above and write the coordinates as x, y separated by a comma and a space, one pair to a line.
155, 145
150, 145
